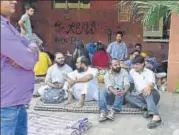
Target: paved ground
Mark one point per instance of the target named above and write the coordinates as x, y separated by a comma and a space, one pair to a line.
132, 124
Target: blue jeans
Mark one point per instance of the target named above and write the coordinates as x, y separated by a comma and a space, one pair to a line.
14, 120
105, 97
150, 101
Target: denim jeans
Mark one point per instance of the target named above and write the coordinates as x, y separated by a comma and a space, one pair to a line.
14, 120
104, 98
141, 101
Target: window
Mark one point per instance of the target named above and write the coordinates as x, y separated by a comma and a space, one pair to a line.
158, 32
73, 4
124, 14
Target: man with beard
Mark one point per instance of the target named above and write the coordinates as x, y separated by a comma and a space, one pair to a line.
82, 83
146, 95
56, 74
116, 83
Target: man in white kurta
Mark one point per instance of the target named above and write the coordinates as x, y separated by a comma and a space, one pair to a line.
82, 83
56, 74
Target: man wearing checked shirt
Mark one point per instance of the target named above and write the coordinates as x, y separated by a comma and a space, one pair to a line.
18, 57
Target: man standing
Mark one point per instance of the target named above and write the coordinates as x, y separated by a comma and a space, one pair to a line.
18, 57
24, 22
82, 83
56, 74
118, 48
146, 95
116, 83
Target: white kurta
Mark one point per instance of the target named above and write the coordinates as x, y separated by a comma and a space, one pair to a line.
90, 89
55, 74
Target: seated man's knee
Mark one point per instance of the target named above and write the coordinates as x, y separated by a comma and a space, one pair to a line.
102, 93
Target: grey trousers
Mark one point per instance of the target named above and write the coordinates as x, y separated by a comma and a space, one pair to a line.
141, 101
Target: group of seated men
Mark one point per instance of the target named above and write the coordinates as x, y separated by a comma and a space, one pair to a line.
82, 85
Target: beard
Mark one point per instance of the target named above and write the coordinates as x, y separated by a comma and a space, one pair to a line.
116, 70
60, 64
80, 70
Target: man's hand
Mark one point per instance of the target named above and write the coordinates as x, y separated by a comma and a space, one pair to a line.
68, 53
24, 31
118, 92
34, 49
71, 82
121, 93
146, 91
57, 85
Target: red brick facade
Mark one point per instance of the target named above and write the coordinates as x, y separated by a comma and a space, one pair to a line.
59, 28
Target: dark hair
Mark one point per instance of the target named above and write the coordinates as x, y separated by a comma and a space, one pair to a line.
119, 32
79, 44
134, 51
84, 60
138, 44
100, 47
138, 59
110, 62
51, 55
28, 6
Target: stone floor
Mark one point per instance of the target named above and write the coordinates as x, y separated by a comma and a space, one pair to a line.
131, 124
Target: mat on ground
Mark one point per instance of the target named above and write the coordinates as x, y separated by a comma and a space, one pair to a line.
89, 107
51, 125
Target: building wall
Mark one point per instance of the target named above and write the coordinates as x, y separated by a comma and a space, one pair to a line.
59, 28
173, 65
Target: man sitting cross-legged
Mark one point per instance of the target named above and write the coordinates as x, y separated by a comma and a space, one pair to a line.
146, 95
116, 83
56, 74
82, 83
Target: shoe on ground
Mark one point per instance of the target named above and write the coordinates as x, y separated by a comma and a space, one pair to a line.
154, 124
102, 116
111, 114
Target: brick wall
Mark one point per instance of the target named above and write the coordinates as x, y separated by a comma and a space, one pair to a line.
59, 28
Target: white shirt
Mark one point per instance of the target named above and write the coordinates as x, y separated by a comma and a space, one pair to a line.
57, 74
76, 75
90, 88
142, 79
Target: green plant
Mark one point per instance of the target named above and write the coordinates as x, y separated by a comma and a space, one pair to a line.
149, 12
177, 87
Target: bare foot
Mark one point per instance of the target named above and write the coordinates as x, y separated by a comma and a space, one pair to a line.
69, 102
70, 98
79, 105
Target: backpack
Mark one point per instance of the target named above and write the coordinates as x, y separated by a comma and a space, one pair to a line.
53, 96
